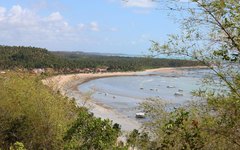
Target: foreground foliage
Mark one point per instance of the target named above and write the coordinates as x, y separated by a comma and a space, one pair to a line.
33, 117
31, 114
195, 126
210, 33
88, 132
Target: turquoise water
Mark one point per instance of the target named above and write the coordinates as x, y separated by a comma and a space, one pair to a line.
125, 93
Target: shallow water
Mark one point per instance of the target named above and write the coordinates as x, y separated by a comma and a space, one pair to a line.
125, 93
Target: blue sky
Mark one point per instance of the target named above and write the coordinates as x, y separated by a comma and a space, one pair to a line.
108, 26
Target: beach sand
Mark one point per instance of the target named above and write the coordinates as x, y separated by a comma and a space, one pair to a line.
67, 86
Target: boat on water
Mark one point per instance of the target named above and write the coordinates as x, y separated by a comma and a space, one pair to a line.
180, 90
140, 115
169, 86
178, 94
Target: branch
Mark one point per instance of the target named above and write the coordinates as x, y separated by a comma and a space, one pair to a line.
220, 25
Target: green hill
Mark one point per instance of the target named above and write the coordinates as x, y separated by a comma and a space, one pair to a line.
26, 57
32, 57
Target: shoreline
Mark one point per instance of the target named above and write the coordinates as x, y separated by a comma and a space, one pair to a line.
67, 86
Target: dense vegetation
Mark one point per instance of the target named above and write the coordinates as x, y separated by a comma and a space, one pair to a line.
210, 33
27, 57
33, 117
30, 57
118, 63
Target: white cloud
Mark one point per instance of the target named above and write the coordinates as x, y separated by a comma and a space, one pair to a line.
2, 13
94, 26
21, 26
17, 16
81, 26
139, 3
55, 16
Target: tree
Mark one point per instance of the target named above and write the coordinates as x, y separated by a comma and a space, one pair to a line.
210, 34
139, 140
18, 146
31, 114
90, 133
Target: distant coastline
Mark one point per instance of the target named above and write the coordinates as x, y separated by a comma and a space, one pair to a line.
67, 86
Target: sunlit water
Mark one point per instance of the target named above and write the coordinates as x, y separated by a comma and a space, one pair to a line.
125, 93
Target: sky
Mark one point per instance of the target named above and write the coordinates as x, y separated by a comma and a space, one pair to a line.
105, 26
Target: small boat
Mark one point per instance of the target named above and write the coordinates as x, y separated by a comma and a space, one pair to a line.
141, 88
178, 94
140, 115
180, 90
169, 86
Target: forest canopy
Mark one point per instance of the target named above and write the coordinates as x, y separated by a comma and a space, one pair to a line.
32, 116
32, 57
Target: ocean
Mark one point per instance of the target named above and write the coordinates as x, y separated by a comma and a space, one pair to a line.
125, 93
